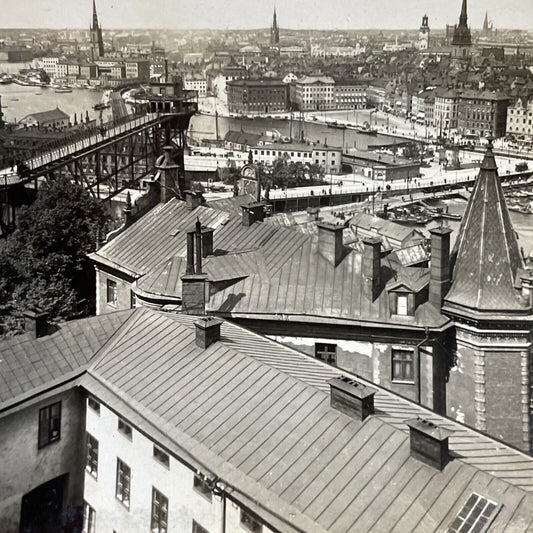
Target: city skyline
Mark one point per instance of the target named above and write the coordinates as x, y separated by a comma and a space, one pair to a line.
239, 14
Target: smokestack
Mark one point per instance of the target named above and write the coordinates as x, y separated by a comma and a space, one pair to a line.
439, 280
372, 266
190, 253
330, 243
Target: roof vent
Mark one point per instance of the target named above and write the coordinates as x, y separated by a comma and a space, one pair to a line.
351, 397
36, 323
207, 331
429, 442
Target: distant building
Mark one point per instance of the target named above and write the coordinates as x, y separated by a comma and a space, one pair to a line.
446, 109
138, 69
350, 94
241, 141
462, 39
314, 93
328, 157
97, 42
54, 118
274, 31
482, 113
520, 118
196, 82
257, 96
423, 35
320, 50
193, 58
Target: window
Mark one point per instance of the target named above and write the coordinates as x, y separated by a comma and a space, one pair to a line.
122, 490
124, 428
161, 456
401, 305
197, 528
91, 463
111, 292
476, 515
89, 518
202, 487
159, 520
93, 404
250, 522
402, 365
326, 352
49, 424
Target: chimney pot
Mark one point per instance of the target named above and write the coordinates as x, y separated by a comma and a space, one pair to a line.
351, 397
35, 322
429, 442
207, 331
330, 243
254, 212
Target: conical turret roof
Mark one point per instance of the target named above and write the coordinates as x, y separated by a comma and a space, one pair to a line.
487, 253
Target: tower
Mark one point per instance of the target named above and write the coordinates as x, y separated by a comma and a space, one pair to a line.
491, 303
274, 31
423, 35
97, 43
462, 39
487, 29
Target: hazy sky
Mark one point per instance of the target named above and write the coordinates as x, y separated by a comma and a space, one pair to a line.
301, 14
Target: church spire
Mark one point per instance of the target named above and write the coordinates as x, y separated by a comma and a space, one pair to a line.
274, 30
486, 22
461, 33
95, 16
463, 17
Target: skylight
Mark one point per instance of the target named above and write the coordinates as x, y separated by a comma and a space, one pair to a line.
475, 515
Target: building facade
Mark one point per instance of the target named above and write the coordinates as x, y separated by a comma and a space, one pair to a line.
257, 96
482, 113
520, 118
350, 94
314, 93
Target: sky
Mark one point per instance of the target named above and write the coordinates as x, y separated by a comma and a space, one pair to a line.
244, 14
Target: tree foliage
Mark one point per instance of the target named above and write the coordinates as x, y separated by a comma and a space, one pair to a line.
44, 263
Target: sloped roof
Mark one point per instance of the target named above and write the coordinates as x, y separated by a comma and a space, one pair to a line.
486, 250
27, 363
257, 415
384, 227
231, 205
242, 137
47, 116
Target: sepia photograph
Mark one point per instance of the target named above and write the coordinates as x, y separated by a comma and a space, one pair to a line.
266, 267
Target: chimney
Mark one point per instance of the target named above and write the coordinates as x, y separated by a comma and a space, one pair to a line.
169, 175
190, 253
330, 245
207, 241
372, 266
193, 199
251, 213
207, 331
193, 293
351, 397
198, 236
429, 442
35, 322
439, 280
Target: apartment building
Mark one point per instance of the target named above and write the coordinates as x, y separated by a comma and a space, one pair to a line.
350, 94
520, 118
314, 93
257, 96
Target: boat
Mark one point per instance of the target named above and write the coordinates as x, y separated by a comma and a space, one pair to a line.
62, 90
100, 106
38, 94
6, 79
366, 132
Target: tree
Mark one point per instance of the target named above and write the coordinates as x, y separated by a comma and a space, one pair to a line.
44, 262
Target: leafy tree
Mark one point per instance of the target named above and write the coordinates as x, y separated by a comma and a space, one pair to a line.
44, 262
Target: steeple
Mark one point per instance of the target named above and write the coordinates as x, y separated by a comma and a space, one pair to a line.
95, 16
97, 42
461, 33
274, 30
486, 23
487, 256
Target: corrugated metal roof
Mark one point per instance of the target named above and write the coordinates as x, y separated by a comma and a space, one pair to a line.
488, 256
231, 205
27, 363
257, 414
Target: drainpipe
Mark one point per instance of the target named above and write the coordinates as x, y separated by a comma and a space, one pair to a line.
419, 381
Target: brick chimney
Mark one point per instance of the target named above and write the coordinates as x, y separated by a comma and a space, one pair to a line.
36, 323
193, 199
372, 266
207, 331
439, 280
207, 241
330, 245
254, 212
429, 443
351, 397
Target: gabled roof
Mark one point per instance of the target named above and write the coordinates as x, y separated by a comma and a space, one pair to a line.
47, 116
27, 363
486, 250
256, 414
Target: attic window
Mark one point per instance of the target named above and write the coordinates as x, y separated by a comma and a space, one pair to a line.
476, 515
